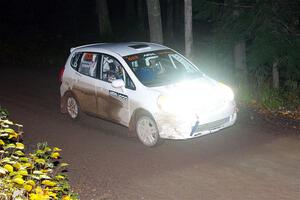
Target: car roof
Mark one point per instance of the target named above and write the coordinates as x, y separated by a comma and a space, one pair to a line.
123, 49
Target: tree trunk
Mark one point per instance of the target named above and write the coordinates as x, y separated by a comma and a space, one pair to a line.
239, 56
103, 18
188, 27
275, 75
154, 18
169, 20
140, 14
240, 59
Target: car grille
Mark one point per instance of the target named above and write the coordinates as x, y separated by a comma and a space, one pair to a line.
212, 125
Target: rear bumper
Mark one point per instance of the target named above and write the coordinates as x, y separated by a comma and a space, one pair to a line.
192, 126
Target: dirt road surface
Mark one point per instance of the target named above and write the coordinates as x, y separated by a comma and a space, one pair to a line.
252, 160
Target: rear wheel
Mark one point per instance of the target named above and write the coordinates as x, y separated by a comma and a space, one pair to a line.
73, 108
147, 131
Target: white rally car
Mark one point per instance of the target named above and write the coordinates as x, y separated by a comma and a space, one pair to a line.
150, 88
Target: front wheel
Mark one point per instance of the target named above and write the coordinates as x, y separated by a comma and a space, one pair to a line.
147, 131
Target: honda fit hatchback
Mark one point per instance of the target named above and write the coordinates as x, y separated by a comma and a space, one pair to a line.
149, 88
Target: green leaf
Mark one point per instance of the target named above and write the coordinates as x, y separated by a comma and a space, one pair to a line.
43, 176
19, 146
10, 146
40, 161
19, 153
2, 142
5, 160
24, 159
64, 164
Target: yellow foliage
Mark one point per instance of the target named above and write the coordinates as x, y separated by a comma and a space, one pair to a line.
12, 133
9, 168
49, 183
67, 197
19, 181
27, 165
33, 196
40, 161
8, 130
64, 164
24, 159
60, 177
34, 174
47, 149
19, 153
19, 146
55, 155
30, 182
17, 165
23, 172
10, 146
56, 149
28, 187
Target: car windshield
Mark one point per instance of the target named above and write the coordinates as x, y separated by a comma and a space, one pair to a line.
161, 67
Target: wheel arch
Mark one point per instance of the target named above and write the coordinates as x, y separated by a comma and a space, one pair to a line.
134, 116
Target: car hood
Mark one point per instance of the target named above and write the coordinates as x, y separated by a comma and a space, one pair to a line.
202, 93
188, 87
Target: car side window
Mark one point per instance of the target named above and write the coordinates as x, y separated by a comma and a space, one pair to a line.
88, 64
111, 69
75, 60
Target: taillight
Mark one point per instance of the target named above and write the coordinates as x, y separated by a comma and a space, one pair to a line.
60, 74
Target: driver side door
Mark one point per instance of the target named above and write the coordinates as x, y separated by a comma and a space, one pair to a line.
112, 103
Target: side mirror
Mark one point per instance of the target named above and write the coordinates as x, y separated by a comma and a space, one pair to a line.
119, 83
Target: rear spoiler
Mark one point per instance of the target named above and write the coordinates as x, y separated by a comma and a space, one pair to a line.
88, 45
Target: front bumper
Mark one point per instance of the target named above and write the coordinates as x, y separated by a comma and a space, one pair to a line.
196, 124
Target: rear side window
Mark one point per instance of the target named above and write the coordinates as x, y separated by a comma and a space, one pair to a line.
88, 64
75, 60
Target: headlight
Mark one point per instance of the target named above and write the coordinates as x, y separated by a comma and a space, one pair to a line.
227, 92
173, 104
165, 103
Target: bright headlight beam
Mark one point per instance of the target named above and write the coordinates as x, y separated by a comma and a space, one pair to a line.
227, 92
186, 99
